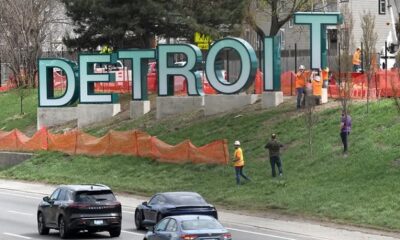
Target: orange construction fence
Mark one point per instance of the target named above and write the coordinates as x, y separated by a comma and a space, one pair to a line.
131, 143
382, 84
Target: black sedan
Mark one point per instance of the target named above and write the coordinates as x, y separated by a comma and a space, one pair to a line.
188, 227
170, 204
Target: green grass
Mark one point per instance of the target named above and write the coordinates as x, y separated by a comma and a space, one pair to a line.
10, 114
361, 189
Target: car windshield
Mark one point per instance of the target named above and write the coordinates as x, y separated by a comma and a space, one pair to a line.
94, 196
188, 200
200, 224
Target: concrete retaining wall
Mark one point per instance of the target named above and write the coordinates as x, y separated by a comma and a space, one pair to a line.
167, 106
48, 116
13, 158
271, 99
223, 103
139, 108
94, 113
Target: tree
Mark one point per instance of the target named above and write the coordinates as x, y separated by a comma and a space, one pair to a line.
24, 25
126, 23
395, 83
345, 59
369, 39
279, 11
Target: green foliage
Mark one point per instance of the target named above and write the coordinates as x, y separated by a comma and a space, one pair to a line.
127, 23
10, 115
362, 188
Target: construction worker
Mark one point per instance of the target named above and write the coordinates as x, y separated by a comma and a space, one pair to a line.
274, 156
238, 162
345, 129
301, 77
357, 60
317, 89
325, 77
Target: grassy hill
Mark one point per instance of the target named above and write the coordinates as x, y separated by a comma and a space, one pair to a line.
361, 189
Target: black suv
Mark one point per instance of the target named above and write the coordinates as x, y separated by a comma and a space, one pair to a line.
72, 208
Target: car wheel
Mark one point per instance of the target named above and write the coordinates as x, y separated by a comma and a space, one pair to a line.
42, 229
139, 220
64, 231
115, 232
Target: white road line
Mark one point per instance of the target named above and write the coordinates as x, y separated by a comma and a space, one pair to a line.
16, 235
128, 212
260, 234
19, 195
21, 213
133, 233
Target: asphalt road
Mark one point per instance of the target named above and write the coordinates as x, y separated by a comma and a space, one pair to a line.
18, 221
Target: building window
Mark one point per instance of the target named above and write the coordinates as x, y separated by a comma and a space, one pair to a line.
382, 6
282, 35
290, 23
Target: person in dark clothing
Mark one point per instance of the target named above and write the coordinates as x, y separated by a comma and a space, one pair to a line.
345, 129
274, 156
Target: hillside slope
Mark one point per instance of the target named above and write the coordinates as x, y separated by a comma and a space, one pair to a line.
362, 189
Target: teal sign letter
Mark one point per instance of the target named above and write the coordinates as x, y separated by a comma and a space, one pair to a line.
249, 65
317, 22
46, 83
193, 60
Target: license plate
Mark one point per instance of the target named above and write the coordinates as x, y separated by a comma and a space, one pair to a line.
98, 222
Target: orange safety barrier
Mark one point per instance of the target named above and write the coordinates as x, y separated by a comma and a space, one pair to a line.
131, 143
382, 84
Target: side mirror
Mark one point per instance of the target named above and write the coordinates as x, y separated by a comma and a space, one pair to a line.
150, 228
46, 199
144, 204
149, 224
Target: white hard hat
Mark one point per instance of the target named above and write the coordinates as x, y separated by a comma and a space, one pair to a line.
237, 143
302, 67
317, 78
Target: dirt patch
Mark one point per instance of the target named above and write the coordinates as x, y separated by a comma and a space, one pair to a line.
396, 163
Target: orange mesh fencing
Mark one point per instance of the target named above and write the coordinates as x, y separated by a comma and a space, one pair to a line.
131, 143
382, 84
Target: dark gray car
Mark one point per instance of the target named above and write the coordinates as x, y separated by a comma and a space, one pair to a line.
72, 208
188, 227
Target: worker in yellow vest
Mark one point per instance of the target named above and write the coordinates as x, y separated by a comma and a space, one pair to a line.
357, 60
238, 162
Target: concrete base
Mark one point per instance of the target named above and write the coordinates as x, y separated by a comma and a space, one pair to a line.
95, 113
223, 103
271, 99
49, 117
13, 158
139, 108
167, 106
324, 95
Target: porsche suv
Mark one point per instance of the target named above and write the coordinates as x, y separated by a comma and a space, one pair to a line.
72, 208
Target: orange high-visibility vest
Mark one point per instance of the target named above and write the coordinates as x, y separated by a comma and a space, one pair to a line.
238, 155
317, 88
356, 58
324, 74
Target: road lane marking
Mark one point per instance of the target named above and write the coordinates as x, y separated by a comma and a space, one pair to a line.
21, 213
260, 234
16, 235
133, 233
128, 212
19, 195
